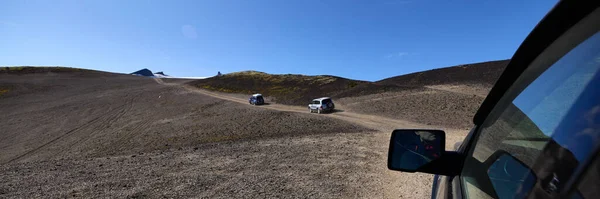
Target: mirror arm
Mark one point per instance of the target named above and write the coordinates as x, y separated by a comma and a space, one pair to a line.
450, 163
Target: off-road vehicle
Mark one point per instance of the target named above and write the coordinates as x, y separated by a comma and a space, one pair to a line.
320, 105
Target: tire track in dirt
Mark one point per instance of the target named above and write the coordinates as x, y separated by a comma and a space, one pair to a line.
104, 120
55, 139
105, 124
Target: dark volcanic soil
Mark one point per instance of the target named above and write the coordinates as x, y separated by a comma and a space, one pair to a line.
283, 89
312, 166
425, 105
447, 97
55, 115
106, 135
484, 73
78, 133
300, 89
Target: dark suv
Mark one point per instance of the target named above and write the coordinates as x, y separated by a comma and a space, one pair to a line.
256, 99
537, 134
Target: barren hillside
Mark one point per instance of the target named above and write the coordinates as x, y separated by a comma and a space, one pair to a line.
95, 134
484, 73
95, 114
441, 97
71, 132
285, 89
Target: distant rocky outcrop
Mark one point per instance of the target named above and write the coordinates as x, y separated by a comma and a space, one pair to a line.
161, 75
144, 72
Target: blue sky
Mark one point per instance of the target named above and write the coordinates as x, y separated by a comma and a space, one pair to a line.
367, 40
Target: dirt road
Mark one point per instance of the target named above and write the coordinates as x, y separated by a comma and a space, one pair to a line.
379, 123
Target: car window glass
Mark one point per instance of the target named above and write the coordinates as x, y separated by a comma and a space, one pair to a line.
588, 185
506, 170
539, 118
316, 102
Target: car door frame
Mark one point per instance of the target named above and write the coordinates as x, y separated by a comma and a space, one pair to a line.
559, 20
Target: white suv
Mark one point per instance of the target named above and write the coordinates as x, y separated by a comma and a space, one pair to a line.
320, 105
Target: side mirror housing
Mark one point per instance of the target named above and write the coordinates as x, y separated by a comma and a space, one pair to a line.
420, 150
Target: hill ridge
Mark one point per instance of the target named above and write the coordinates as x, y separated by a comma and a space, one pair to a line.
297, 89
475, 73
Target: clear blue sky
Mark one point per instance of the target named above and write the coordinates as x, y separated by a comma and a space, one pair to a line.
365, 39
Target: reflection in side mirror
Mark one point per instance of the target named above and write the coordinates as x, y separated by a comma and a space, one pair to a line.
412, 149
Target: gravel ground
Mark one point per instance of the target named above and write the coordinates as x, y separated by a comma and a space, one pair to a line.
93, 134
443, 106
133, 114
308, 166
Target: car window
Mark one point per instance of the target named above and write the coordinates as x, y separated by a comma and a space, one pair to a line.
316, 102
590, 177
326, 101
538, 130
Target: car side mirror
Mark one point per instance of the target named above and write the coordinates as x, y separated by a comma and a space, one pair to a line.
419, 150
